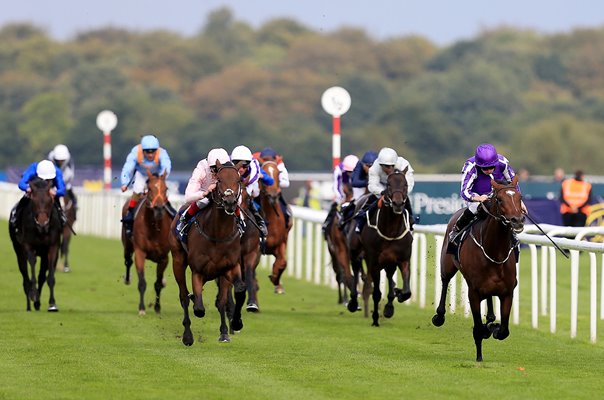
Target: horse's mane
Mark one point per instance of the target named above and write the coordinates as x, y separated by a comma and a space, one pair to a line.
37, 183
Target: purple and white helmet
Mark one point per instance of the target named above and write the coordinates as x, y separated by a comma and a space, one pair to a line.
486, 156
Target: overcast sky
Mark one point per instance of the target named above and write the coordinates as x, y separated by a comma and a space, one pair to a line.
442, 21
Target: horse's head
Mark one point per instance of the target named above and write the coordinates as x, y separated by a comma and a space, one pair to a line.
228, 187
157, 195
506, 204
272, 191
395, 194
42, 203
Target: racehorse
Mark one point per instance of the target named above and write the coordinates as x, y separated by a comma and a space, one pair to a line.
250, 255
70, 214
276, 242
37, 233
214, 252
149, 238
487, 262
386, 241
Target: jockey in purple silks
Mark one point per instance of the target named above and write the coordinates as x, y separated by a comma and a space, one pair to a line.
477, 172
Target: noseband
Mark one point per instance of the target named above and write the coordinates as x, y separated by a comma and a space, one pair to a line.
497, 214
389, 192
219, 196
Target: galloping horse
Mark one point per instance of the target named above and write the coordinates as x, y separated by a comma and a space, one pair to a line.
149, 238
386, 241
250, 255
37, 233
276, 242
214, 252
487, 262
70, 213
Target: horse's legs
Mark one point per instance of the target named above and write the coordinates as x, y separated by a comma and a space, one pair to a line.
447, 272
279, 267
478, 331
53, 255
502, 331
179, 269
197, 283
404, 293
159, 281
389, 307
22, 263
221, 301
34, 295
490, 311
250, 261
239, 288
128, 264
139, 262
377, 294
65, 248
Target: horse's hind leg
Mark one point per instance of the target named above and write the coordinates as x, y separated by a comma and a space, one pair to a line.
279, 267
239, 289
179, 269
128, 263
447, 272
159, 282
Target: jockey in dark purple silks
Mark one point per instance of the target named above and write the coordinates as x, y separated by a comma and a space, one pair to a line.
477, 172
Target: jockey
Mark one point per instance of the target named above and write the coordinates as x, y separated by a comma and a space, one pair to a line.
477, 172
269, 154
359, 180
251, 174
201, 183
144, 157
341, 187
46, 170
61, 157
387, 162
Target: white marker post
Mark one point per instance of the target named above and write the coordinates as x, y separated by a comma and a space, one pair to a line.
106, 121
336, 101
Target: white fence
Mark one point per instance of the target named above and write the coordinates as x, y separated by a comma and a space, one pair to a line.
308, 259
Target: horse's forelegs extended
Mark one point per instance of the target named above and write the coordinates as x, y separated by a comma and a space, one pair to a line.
52, 269
389, 307
221, 302
502, 331
479, 328
179, 270
159, 282
34, 294
405, 293
377, 295
22, 263
239, 289
352, 282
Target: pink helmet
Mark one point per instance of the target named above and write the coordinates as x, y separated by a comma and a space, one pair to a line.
349, 162
219, 154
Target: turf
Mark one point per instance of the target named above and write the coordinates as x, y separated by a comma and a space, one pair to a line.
301, 346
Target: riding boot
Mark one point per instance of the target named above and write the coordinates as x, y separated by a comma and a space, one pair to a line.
171, 210
330, 216
128, 220
410, 211
466, 217
62, 215
182, 226
346, 211
286, 211
259, 220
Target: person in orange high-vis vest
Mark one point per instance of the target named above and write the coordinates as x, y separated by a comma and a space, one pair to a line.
575, 197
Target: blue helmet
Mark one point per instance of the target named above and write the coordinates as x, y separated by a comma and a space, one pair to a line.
149, 142
369, 157
268, 152
486, 155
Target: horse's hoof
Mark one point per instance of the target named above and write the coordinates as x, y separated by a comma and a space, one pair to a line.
270, 277
353, 305
237, 325
157, 309
187, 339
199, 313
126, 282
37, 305
224, 338
388, 311
53, 308
252, 307
401, 297
279, 289
438, 320
375, 323
142, 312
66, 269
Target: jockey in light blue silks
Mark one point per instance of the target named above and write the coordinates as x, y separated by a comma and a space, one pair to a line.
477, 172
146, 156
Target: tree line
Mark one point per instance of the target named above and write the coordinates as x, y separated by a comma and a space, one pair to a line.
539, 98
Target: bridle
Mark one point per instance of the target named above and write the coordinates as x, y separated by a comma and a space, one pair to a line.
390, 192
387, 201
220, 196
159, 199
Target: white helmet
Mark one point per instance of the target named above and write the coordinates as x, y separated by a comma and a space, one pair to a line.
349, 162
241, 153
387, 156
61, 152
46, 170
219, 154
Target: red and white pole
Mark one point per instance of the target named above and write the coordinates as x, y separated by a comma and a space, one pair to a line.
336, 141
107, 159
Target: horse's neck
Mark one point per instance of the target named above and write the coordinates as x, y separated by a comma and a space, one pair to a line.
215, 219
495, 236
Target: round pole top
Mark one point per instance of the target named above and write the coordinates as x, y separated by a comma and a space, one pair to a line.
106, 121
336, 101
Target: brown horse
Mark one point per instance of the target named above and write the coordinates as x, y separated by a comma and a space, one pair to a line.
250, 255
386, 241
487, 262
37, 233
70, 214
276, 242
214, 252
149, 239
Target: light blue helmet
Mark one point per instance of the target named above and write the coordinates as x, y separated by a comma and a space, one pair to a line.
149, 142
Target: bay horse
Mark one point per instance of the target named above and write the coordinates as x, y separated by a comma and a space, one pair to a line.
276, 241
37, 233
250, 255
487, 261
149, 239
214, 253
71, 215
386, 241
